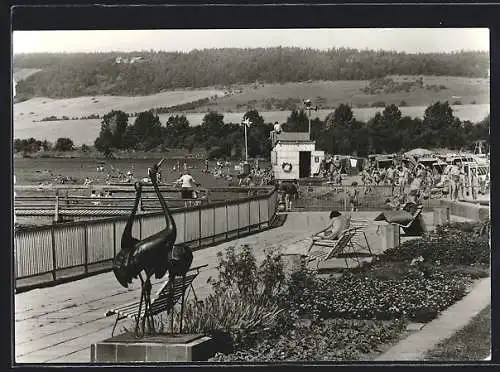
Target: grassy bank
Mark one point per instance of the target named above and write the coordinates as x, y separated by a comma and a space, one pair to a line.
123, 154
470, 343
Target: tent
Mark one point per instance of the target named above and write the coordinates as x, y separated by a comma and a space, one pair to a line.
419, 152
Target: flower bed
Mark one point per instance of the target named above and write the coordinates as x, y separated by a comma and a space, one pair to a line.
417, 296
334, 340
454, 244
350, 316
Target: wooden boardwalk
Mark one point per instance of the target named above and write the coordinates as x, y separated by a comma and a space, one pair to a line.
58, 324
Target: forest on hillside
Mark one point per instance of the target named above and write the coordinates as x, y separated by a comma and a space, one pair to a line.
66, 75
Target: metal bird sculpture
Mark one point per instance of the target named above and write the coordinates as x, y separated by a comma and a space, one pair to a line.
128, 242
155, 255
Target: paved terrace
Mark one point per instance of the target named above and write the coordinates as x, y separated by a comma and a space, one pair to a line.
58, 324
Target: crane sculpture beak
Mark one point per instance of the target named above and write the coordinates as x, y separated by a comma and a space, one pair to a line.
158, 165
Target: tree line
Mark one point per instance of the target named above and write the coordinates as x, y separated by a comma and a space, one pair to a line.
340, 133
388, 131
78, 74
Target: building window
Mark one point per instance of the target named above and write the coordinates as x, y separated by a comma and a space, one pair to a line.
316, 159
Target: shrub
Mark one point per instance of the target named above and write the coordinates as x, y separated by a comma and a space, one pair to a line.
242, 319
238, 271
378, 104
63, 144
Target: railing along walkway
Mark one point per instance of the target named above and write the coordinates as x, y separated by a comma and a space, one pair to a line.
55, 252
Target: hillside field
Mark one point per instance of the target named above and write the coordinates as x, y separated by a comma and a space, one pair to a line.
334, 93
40, 107
472, 93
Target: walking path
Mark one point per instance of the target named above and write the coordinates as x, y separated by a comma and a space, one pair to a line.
450, 321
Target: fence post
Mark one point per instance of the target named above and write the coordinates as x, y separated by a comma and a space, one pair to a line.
249, 216
199, 227
184, 224
56, 211
260, 225
54, 259
238, 230
86, 249
268, 203
227, 222
213, 234
114, 239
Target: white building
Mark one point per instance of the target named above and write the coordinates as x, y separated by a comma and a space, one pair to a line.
294, 156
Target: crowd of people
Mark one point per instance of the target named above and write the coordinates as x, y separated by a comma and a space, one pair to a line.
460, 185
331, 169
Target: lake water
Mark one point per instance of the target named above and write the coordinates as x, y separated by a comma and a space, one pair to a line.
32, 171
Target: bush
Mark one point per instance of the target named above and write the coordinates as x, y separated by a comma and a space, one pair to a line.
378, 104
238, 271
63, 144
227, 314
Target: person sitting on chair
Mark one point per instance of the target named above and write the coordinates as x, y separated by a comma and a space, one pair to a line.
338, 223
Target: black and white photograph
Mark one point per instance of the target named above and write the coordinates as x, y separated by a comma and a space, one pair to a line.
258, 195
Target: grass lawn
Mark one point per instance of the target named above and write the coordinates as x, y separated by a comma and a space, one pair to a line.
470, 343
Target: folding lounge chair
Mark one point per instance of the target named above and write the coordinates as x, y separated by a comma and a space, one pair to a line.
411, 228
349, 243
162, 301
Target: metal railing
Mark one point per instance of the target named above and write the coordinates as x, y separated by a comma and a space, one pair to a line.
77, 206
79, 248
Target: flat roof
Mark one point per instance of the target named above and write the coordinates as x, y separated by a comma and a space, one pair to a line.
293, 137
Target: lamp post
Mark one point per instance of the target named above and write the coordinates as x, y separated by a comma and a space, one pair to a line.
246, 123
309, 108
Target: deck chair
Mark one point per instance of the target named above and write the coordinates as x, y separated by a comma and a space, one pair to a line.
351, 243
161, 301
413, 227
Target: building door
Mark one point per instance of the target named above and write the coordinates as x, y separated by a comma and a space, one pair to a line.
304, 164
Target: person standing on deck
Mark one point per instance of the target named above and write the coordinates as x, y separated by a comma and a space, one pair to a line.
454, 175
290, 192
389, 178
187, 183
352, 194
474, 184
461, 183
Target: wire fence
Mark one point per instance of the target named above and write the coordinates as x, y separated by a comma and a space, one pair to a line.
374, 198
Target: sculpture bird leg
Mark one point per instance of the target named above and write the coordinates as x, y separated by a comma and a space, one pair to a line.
171, 302
138, 318
148, 314
146, 289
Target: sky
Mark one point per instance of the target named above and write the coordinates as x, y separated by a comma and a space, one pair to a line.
401, 40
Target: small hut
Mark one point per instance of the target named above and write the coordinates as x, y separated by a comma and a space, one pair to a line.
294, 156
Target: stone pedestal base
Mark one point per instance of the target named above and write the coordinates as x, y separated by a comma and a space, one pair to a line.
441, 215
126, 348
